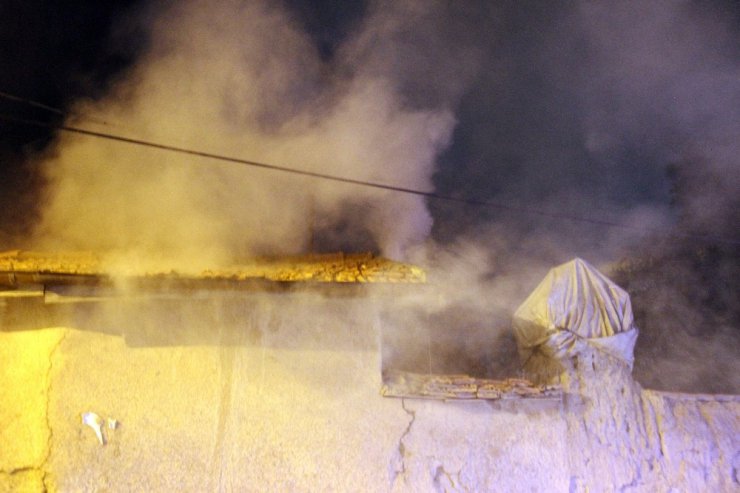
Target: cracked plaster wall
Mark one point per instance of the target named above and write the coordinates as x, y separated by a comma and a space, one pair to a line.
624, 438
298, 409
26, 364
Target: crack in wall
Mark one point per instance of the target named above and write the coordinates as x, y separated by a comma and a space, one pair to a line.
50, 432
40, 467
19, 470
452, 480
401, 452
22, 479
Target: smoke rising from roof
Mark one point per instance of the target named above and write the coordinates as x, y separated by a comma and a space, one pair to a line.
624, 113
243, 80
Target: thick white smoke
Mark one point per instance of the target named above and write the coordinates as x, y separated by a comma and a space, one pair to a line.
582, 110
616, 113
241, 79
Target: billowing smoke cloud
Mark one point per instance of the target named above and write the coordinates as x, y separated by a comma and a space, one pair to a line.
616, 113
668, 81
619, 113
241, 79
672, 72
591, 109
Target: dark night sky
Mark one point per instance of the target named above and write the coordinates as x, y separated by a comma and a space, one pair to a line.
621, 112
520, 140
53, 53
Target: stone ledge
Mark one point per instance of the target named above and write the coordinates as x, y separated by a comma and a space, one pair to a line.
18, 267
449, 387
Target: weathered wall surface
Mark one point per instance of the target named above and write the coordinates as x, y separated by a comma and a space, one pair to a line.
25, 379
624, 438
261, 399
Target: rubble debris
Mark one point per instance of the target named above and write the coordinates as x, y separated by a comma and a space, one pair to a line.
18, 267
97, 423
446, 387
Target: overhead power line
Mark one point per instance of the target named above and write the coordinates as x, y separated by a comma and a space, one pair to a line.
353, 181
30, 102
36, 104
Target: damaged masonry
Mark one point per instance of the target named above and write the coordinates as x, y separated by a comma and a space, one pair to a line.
269, 377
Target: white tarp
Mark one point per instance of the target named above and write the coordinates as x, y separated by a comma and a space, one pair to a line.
575, 305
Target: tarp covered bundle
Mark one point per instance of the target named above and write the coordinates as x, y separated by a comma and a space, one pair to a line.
576, 305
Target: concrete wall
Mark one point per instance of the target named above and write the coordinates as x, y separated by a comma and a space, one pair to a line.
624, 438
261, 395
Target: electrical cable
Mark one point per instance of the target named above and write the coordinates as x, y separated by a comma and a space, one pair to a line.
36, 104
30, 102
353, 181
